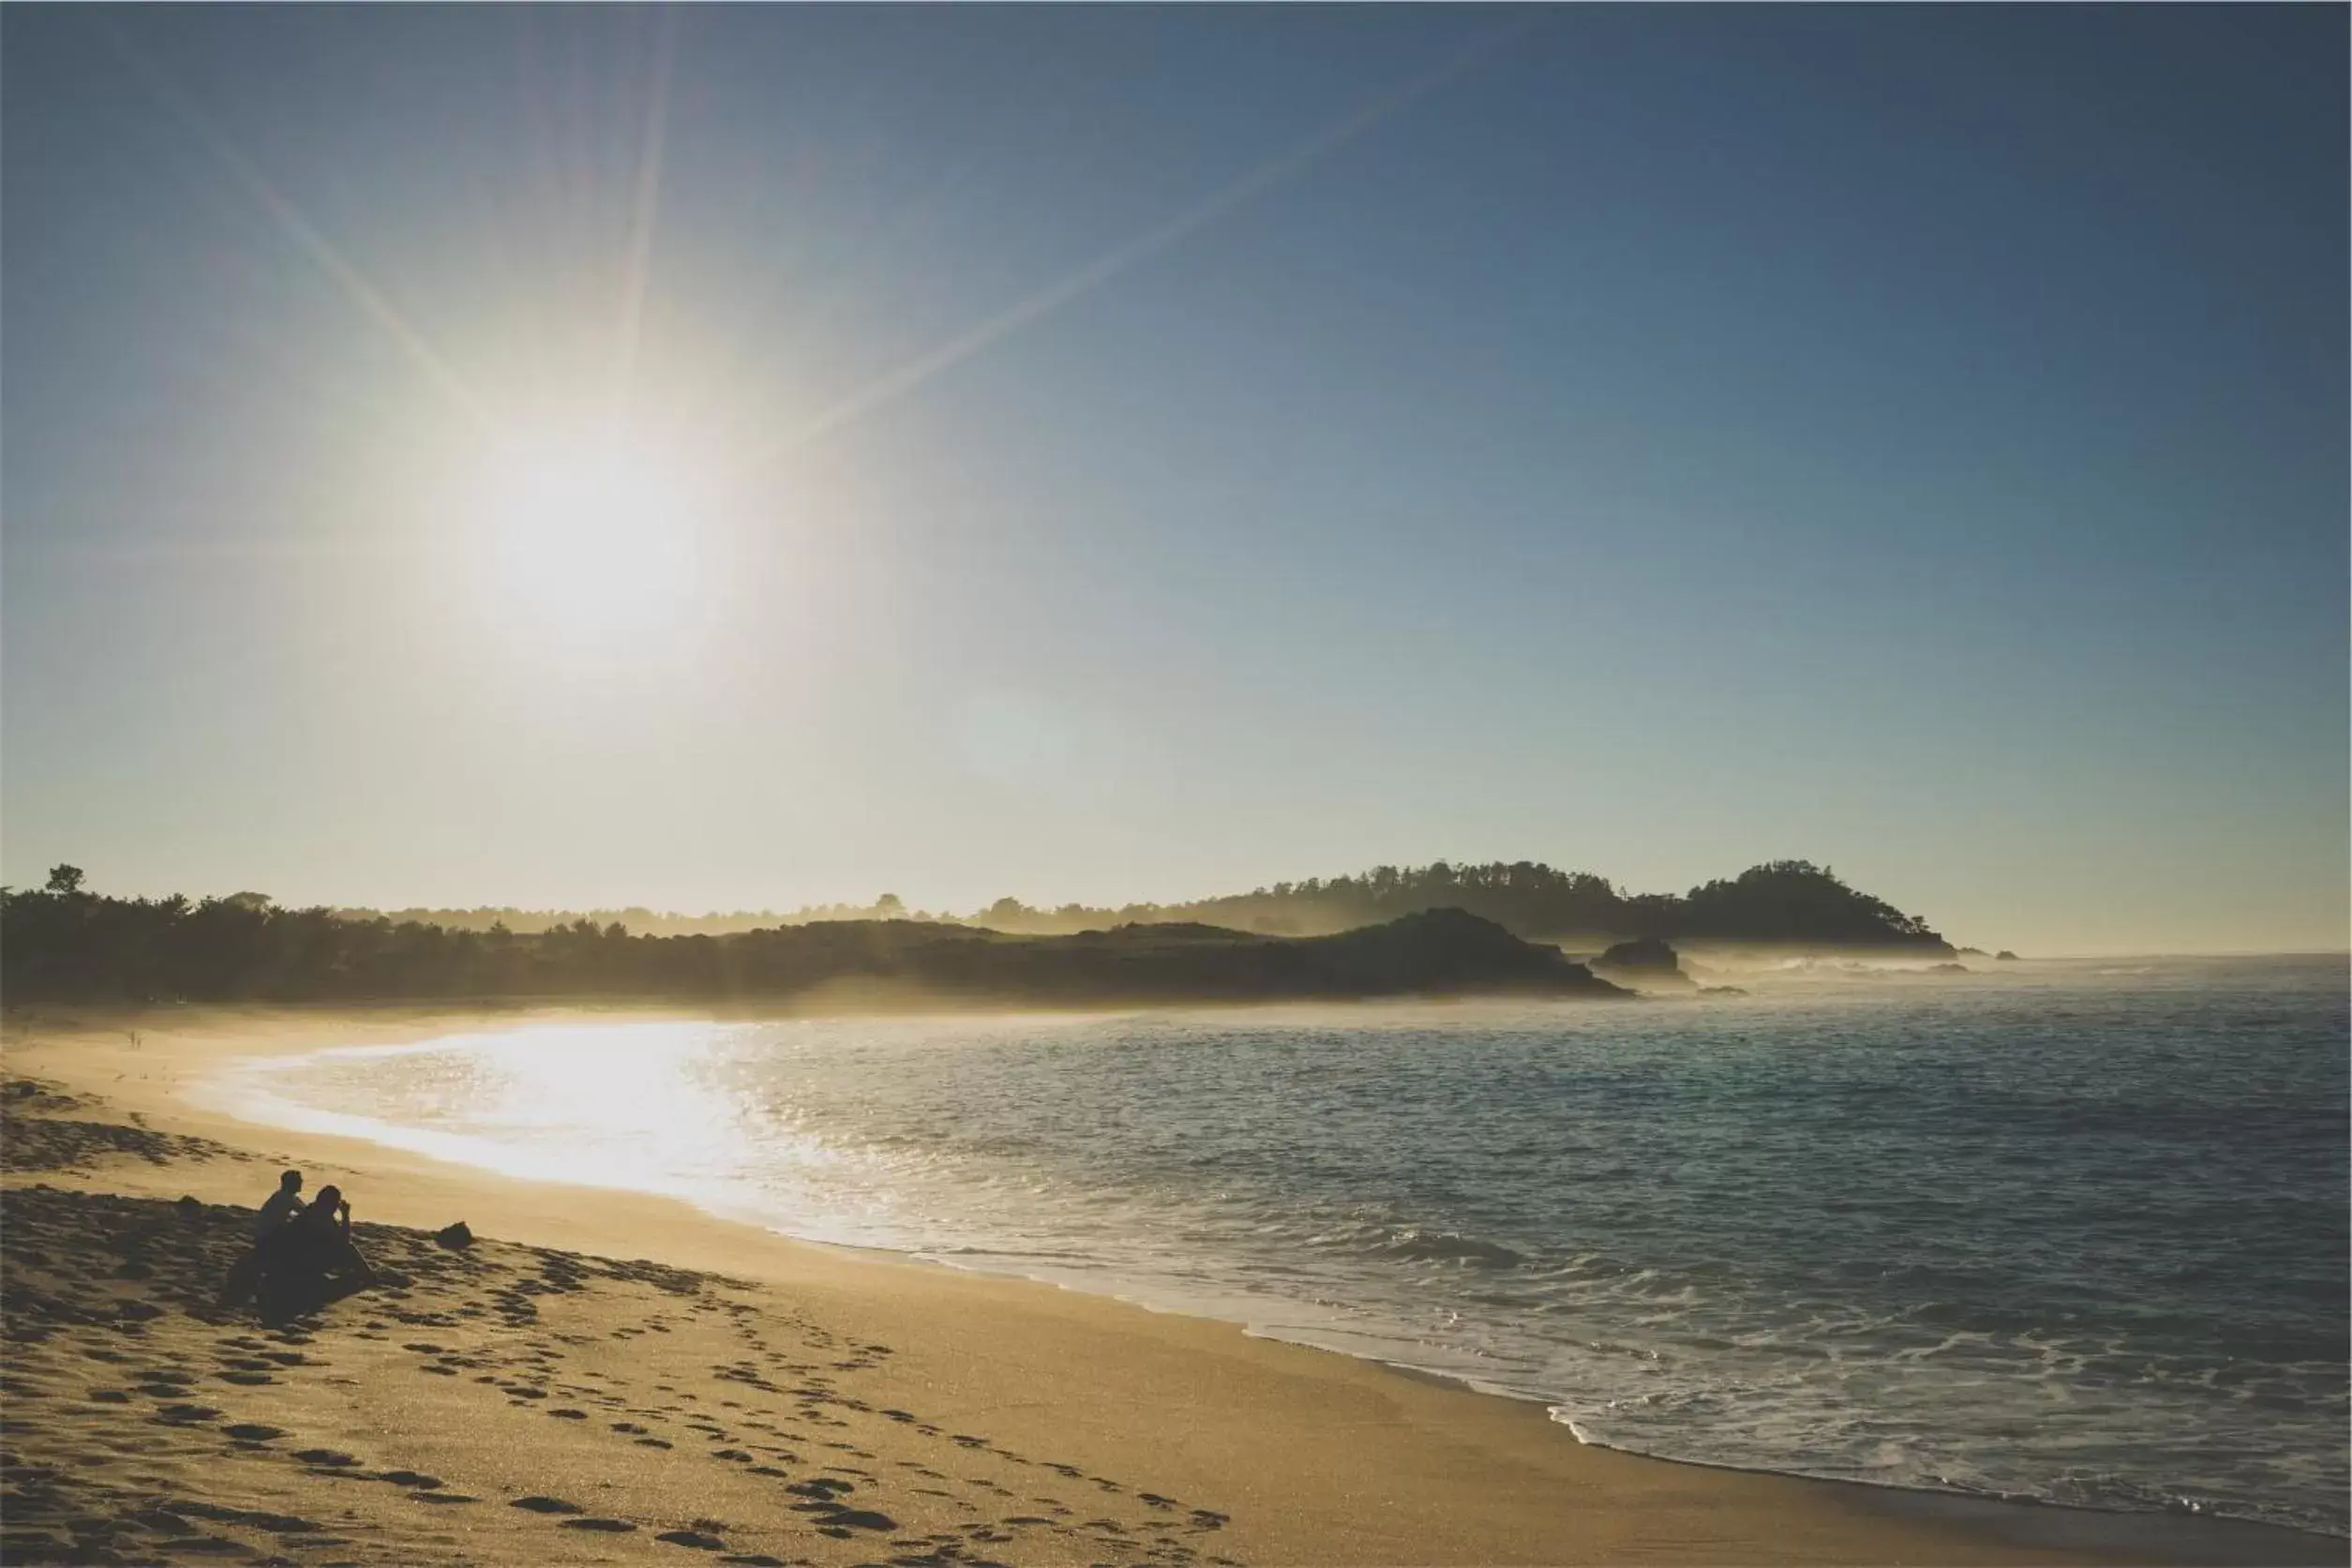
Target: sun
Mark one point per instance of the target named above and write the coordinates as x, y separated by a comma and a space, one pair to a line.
596, 534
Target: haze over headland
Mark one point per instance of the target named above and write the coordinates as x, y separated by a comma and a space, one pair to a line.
1101, 454
1432, 931
1790, 901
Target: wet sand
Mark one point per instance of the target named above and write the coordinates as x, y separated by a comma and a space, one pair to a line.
609, 1377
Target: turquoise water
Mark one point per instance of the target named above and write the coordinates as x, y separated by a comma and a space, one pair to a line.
2073, 1232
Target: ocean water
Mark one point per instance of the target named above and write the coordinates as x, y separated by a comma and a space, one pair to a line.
2068, 1231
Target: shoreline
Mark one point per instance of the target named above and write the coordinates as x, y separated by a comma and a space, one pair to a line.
1424, 1467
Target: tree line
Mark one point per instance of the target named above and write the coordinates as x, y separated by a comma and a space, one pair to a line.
63, 941
1781, 901
1778, 902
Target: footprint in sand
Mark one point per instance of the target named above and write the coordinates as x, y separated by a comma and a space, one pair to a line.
412, 1478
547, 1505
612, 1527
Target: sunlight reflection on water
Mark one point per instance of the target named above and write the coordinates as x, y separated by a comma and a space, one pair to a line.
2039, 1233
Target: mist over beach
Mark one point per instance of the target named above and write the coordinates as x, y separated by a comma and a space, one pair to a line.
1175, 785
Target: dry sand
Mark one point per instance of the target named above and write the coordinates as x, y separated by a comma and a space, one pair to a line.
606, 1377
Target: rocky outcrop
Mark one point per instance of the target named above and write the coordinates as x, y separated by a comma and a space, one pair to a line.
1646, 964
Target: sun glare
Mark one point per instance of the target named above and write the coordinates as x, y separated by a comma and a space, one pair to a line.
596, 536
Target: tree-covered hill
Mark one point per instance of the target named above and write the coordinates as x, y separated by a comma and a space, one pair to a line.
1431, 928
1790, 902
1780, 901
62, 943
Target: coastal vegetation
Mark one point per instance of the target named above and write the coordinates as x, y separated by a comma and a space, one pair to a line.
1425, 930
61, 942
1786, 902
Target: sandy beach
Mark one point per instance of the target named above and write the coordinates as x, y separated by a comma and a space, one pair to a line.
610, 1376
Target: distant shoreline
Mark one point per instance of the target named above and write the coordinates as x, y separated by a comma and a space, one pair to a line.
1432, 931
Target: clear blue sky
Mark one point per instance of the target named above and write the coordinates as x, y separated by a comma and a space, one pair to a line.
1147, 453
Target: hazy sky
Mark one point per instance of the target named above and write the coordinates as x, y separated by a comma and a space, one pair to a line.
1147, 453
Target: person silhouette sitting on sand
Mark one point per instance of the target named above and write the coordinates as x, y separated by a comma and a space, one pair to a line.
282, 1205
277, 1211
301, 1262
316, 1244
